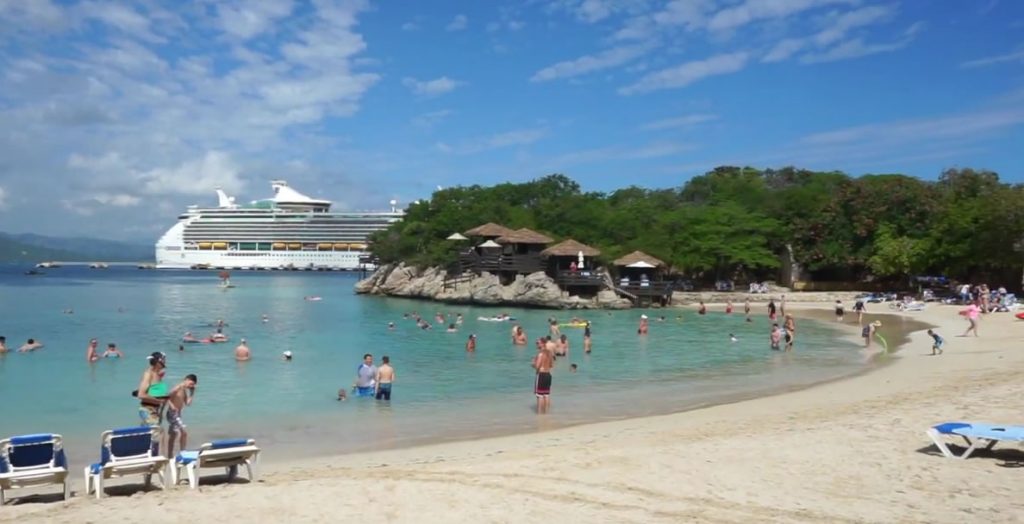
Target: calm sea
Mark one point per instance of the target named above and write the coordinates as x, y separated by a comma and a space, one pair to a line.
441, 392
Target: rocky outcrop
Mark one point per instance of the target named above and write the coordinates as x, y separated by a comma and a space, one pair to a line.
534, 290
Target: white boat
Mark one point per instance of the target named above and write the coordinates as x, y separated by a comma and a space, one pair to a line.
99, 265
48, 265
289, 230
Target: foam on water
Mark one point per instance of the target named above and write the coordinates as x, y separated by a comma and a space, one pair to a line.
441, 393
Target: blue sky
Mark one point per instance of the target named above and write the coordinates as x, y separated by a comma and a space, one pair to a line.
115, 115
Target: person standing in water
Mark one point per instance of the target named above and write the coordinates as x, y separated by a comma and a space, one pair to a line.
112, 351
782, 307
90, 352
728, 307
519, 336
746, 309
542, 364
771, 309
586, 338
3, 345
790, 327
702, 310
471, 344
385, 376
366, 374
242, 352
642, 329
860, 309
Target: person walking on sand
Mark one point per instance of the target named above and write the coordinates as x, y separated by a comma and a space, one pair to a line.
242, 352
937, 341
385, 376
860, 309
971, 313
542, 363
181, 396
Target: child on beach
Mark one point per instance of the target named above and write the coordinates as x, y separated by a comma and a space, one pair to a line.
936, 342
776, 336
181, 396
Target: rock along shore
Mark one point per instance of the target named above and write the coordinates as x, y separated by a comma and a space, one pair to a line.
533, 290
539, 290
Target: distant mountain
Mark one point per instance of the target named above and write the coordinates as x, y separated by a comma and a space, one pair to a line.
30, 247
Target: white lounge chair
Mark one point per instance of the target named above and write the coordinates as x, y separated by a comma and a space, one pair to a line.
228, 454
125, 452
977, 436
32, 460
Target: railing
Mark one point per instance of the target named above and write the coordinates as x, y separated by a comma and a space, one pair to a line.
580, 278
501, 263
650, 288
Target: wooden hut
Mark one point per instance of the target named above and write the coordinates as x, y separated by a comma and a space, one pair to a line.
572, 264
489, 231
521, 252
642, 276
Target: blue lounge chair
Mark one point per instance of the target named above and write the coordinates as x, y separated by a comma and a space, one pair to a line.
124, 452
32, 460
976, 435
228, 454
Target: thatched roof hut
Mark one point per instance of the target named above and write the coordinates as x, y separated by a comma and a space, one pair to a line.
489, 229
636, 258
524, 236
570, 248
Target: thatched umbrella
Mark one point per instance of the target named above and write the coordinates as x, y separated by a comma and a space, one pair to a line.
456, 236
638, 259
489, 229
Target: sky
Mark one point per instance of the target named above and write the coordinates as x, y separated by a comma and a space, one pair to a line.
114, 116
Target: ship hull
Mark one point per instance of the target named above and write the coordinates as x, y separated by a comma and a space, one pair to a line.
193, 259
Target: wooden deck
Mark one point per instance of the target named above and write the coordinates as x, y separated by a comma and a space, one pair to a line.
520, 264
579, 279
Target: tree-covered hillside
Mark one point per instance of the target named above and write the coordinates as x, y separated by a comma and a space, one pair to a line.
734, 222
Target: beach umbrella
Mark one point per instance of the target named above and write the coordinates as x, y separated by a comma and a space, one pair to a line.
579, 257
642, 264
456, 236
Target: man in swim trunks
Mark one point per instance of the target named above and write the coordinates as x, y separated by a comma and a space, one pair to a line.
181, 396
542, 383
366, 373
31, 345
519, 336
385, 376
242, 352
149, 406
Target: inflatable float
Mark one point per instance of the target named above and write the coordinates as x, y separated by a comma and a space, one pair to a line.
495, 319
1020, 315
574, 325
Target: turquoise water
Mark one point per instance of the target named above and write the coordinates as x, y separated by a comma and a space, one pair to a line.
441, 392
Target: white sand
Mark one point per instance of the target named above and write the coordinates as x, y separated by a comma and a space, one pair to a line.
848, 451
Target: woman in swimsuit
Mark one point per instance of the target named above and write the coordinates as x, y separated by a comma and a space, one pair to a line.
150, 407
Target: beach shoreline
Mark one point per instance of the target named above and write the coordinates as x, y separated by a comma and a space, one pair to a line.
847, 450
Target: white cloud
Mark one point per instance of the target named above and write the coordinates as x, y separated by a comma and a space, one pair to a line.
755, 10
680, 121
194, 177
431, 119
854, 48
518, 137
117, 200
435, 87
410, 26
249, 18
685, 74
618, 153
458, 23
946, 127
1015, 56
845, 22
784, 49
613, 57
690, 14
119, 16
41, 14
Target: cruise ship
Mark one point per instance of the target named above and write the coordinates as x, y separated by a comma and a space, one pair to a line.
288, 231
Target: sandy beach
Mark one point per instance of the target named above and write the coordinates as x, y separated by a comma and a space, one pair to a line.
853, 450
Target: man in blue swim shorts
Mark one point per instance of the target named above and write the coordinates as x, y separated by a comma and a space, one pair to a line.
366, 377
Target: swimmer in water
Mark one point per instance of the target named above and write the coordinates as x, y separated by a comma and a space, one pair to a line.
242, 352
3, 345
519, 336
90, 352
458, 319
286, 356
702, 310
181, 347
265, 318
391, 326
563, 346
31, 345
187, 337
642, 328
732, 338
572, 368
342, 394
112, 351
451, 328
471, 344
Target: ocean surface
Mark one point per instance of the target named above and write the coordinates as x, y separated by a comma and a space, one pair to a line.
440, 393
